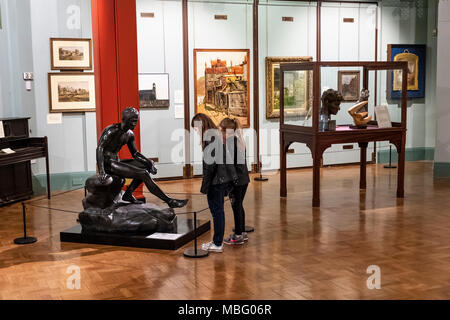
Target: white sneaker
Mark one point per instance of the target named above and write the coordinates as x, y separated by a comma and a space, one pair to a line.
210, 246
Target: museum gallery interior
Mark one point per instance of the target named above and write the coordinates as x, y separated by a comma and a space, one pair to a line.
342, 108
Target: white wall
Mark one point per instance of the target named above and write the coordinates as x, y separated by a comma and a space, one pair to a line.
340, 42
443, 85
160, 50
15, 58
72, 143
409, 24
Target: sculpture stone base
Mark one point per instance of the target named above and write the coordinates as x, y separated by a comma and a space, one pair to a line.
128, 218
165, 241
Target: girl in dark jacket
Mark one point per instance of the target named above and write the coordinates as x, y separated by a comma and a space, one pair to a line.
232, 133
218, 176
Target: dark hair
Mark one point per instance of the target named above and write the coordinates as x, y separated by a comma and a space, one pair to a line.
206, 124
235, 125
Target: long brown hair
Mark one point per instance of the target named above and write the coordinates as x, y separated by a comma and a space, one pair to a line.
207, 124
235, 125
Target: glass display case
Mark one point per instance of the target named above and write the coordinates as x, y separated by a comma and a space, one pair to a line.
322, 124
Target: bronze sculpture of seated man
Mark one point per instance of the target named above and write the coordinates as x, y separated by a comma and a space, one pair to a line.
113, 138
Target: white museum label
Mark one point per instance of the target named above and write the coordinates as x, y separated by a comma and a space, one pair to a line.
179, 111
8, 151
2, 132
164, 236
383, 118
54, 118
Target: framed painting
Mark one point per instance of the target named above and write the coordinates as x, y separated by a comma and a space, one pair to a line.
222, 84
71, 92
415, 55
298, 100
70, 54
349, 84
154, 90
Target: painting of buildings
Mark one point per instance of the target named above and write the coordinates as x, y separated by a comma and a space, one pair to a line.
222, 84
154, 91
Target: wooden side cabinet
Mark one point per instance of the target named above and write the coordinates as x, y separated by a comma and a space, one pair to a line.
15, 169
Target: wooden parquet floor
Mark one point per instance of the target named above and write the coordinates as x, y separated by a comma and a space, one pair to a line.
297, 252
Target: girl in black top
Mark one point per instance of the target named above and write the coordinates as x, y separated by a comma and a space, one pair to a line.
232, 133
218, 176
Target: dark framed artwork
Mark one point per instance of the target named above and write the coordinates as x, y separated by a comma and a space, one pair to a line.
70, 54
301, 95
222, 84
415, 55
71, 92
154, 90
349, 84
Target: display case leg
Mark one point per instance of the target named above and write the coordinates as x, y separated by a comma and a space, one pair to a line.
194, 252
25, 239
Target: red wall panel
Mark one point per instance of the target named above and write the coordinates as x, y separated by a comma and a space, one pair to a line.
116, 61
116, 64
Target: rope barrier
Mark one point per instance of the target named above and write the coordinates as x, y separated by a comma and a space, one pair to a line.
69, 211
48, 208
53, 195
30, 203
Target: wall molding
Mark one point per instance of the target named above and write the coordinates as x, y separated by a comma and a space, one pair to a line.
60, 181
412, 154
441, 170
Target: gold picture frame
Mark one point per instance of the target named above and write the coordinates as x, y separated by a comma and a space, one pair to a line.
70, 54
272, 92
413, 71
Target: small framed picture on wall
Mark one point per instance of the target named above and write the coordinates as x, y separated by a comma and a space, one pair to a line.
71, 54
349, 84
71, 92
415, 55
154, 91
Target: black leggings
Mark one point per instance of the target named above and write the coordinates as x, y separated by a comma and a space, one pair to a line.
237, 196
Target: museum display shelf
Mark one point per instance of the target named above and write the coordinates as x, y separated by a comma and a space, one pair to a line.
319, 140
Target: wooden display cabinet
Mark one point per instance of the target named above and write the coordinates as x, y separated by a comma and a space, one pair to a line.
318, 141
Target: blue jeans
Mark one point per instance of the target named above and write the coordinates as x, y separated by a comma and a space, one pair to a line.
216, 195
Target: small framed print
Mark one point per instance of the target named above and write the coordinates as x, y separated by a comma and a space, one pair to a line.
71, 54
154, 91
71, 92
349, 85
